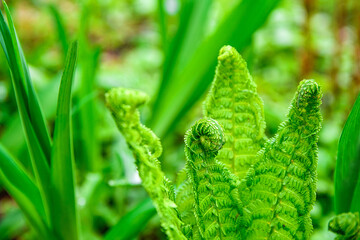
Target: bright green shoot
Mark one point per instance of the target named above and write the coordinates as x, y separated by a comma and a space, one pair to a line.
240, 185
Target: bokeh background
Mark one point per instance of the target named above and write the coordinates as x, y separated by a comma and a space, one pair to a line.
168, 48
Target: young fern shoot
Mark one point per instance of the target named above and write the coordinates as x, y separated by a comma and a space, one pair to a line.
234, 189
217, 205
146, 146
282, 184
233, 102
346, 226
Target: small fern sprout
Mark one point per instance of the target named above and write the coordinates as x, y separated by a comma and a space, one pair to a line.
217, 206
346, 225
146, 146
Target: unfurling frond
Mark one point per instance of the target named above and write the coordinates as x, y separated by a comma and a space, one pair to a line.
146, 146
346, 226
233, 102
282, 184
217, 206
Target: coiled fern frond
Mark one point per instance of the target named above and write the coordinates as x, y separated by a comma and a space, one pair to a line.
217, 205
239, 185
346, 226
146, 146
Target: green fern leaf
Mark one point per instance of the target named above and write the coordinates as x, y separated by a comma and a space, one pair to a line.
147, 148
233, 102
282, 184
346, 225
217, 206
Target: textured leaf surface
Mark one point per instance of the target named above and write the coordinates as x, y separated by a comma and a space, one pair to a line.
282, 185
147, 148
235, 104
346, 225
217, 206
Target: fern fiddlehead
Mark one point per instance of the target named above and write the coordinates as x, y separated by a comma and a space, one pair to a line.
282, 184
146, 146
346, 225
233, 102
217, 206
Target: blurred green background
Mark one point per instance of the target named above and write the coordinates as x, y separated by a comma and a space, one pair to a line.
168, 49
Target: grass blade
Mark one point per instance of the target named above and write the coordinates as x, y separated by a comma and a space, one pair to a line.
33, 124
193, 18
191, 81
20, 71
162, 22
85, 120
63, 166
22, 188
133, 222
347, 164
61, 30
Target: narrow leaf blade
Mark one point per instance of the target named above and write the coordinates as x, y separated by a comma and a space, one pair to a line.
347, 163
133, 222
62, 169
22, 188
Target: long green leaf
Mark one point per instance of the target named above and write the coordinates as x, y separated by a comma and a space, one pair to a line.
85, 119
61, 30
348, 164
133, 222
21, 73
22, 188
190, 82
193, 18
29, 110
62, 161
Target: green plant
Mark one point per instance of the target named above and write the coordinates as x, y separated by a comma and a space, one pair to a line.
346, 225
48, 197
272, 201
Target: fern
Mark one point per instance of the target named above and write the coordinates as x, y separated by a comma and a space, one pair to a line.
235, 104
346, 225
217, 205
233, 189
284, 179
147, 148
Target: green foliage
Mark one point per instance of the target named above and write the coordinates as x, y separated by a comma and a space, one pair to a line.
233, 101
347, 178
217, 204
346, 225
279, 189
284, 179
123, 104
48, 201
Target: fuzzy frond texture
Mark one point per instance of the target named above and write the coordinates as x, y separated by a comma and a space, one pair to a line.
233, 102
282, 185
146, 147
346, 226
236, 183
217, 205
